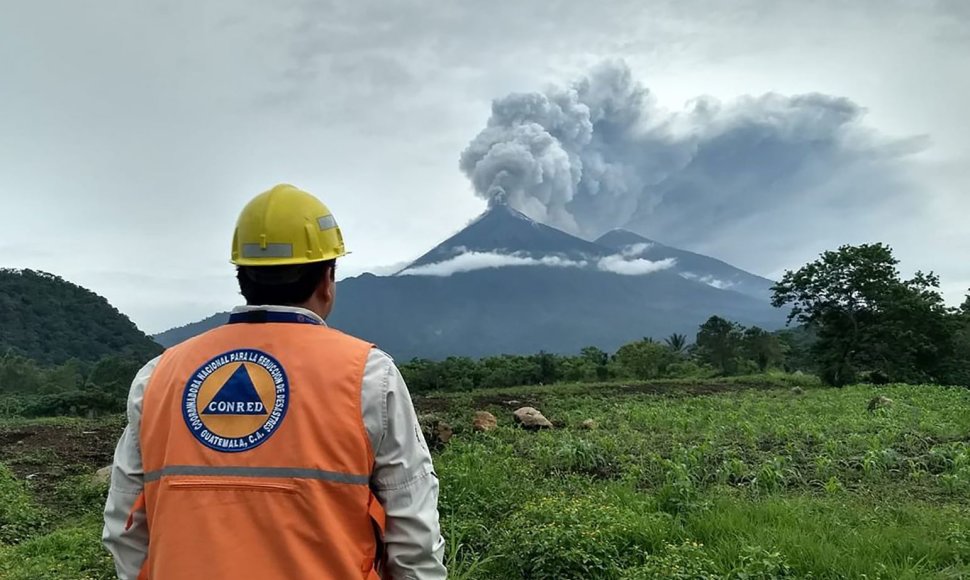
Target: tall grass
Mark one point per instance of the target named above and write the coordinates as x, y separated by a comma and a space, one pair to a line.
747, 483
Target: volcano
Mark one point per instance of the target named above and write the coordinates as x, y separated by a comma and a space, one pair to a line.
508, 284
503, 230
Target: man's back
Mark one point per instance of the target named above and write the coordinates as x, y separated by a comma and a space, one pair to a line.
274, 447
260, 448
256, 456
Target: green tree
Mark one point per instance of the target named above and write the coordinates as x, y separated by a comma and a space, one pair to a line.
51, 320
19, 374
719, 344
798, 344
509, 370
867, 318
459, 373
599, 359
548, 367
422, 375
113, 375
644, 360
955, 369
66, 377
677, 343
577, 369
763, 348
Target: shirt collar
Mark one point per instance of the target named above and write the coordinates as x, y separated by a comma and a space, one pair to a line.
274, 308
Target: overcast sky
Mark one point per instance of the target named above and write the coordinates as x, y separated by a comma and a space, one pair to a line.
131, 133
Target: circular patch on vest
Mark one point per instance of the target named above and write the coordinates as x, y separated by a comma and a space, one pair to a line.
236, 401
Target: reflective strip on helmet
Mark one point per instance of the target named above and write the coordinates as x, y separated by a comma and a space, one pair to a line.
327, 222
257, 472
270, 251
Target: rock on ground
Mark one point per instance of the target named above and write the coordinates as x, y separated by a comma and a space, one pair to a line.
436, 432
588, 424
102, 476
531, 418
484, 421
879, 402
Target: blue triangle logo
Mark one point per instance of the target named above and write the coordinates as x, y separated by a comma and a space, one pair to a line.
237, 397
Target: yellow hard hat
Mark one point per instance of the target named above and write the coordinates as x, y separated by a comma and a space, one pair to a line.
285, 226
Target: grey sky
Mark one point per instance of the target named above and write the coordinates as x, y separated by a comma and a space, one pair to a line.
132, 133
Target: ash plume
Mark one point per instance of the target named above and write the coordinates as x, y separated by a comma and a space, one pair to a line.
601, 154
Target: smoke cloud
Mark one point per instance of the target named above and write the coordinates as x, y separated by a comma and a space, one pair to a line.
635, 250
468, 261
709, 280
635, 267
601, 154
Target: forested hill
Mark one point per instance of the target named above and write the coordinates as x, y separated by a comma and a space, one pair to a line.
51, 320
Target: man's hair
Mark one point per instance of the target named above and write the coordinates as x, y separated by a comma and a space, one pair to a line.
282, 285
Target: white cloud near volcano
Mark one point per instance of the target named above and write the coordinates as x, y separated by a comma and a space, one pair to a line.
470, 261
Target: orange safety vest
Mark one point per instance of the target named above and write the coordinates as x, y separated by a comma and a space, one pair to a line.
256, 458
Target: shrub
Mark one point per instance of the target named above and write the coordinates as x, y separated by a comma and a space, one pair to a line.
19, 517
679, 493
74, 553
88, 402
686, 561
570, 454
80, 494
592, 537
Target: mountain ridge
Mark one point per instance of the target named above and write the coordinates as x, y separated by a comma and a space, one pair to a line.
524, 286
502, 229
51, 320
715, 272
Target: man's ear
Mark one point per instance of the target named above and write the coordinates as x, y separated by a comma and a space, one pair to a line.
328, 286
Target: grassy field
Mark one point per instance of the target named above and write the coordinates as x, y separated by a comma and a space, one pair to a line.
731, 479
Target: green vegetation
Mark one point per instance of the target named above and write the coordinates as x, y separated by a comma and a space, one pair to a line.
51, 321
749, 477
742, 484
724, 457
72, 389
857, 321
73, 551
19, 517
50, 505
722, 349
63, 349
871, 322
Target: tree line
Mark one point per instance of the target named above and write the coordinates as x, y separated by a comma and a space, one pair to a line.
852, 318
720, 348
872, 324
74, 388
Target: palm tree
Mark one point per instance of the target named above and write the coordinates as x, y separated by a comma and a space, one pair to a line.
677, 342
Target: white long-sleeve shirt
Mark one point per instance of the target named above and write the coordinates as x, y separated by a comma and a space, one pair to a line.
403, 479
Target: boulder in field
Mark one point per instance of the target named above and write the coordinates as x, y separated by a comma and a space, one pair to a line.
530, 418
436, 432
484, 421
102, 476
879, 402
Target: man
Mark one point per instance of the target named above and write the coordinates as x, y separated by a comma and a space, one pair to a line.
274, 447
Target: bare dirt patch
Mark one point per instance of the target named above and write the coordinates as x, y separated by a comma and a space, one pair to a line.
44, 455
